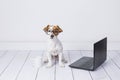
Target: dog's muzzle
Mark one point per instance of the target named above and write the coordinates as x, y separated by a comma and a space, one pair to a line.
51, 36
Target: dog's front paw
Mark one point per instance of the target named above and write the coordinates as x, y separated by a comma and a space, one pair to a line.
49, 65
61, 65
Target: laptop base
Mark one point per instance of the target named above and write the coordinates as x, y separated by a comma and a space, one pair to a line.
85, 63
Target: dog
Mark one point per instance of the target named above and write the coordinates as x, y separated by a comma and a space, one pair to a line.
55, 48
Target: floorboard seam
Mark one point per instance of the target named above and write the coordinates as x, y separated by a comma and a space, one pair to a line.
90, 75
37, 73
106, 73
8, 65
55, 71
22, 65
70, 62
38, 69
115, 63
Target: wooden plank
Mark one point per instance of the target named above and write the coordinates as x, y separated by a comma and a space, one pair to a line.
13, 69
99, 73
115, 57
62, 72
6, 60
78, 74
110, 67
46, 73
29, 72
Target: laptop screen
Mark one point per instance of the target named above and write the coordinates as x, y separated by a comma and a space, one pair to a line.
100, 52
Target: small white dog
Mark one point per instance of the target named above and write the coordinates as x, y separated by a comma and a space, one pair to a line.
55, 48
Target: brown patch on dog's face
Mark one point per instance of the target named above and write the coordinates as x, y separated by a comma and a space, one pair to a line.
52, 30
46, 28
57, 30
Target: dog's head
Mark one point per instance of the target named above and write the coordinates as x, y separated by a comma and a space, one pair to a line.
52, 30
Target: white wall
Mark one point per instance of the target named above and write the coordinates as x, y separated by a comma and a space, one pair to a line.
83, 22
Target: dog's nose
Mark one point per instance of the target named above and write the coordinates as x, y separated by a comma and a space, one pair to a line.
52, 36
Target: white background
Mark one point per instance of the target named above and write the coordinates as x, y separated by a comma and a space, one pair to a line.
83, 22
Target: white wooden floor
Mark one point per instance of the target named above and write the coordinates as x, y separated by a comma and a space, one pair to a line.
16, 65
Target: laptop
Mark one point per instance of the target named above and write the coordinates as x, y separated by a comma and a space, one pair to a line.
91, 63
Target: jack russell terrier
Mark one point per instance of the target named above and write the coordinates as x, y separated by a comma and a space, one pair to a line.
55, 48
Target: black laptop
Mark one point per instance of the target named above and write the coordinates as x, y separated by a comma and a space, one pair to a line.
91, 63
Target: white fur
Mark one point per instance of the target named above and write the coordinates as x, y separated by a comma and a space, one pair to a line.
54, 48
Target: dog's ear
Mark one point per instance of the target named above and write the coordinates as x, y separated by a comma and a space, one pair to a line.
59, 29
46, 28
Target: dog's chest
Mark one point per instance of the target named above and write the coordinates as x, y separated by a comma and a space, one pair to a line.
54, 46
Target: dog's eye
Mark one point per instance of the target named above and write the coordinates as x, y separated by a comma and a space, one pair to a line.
48, 30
